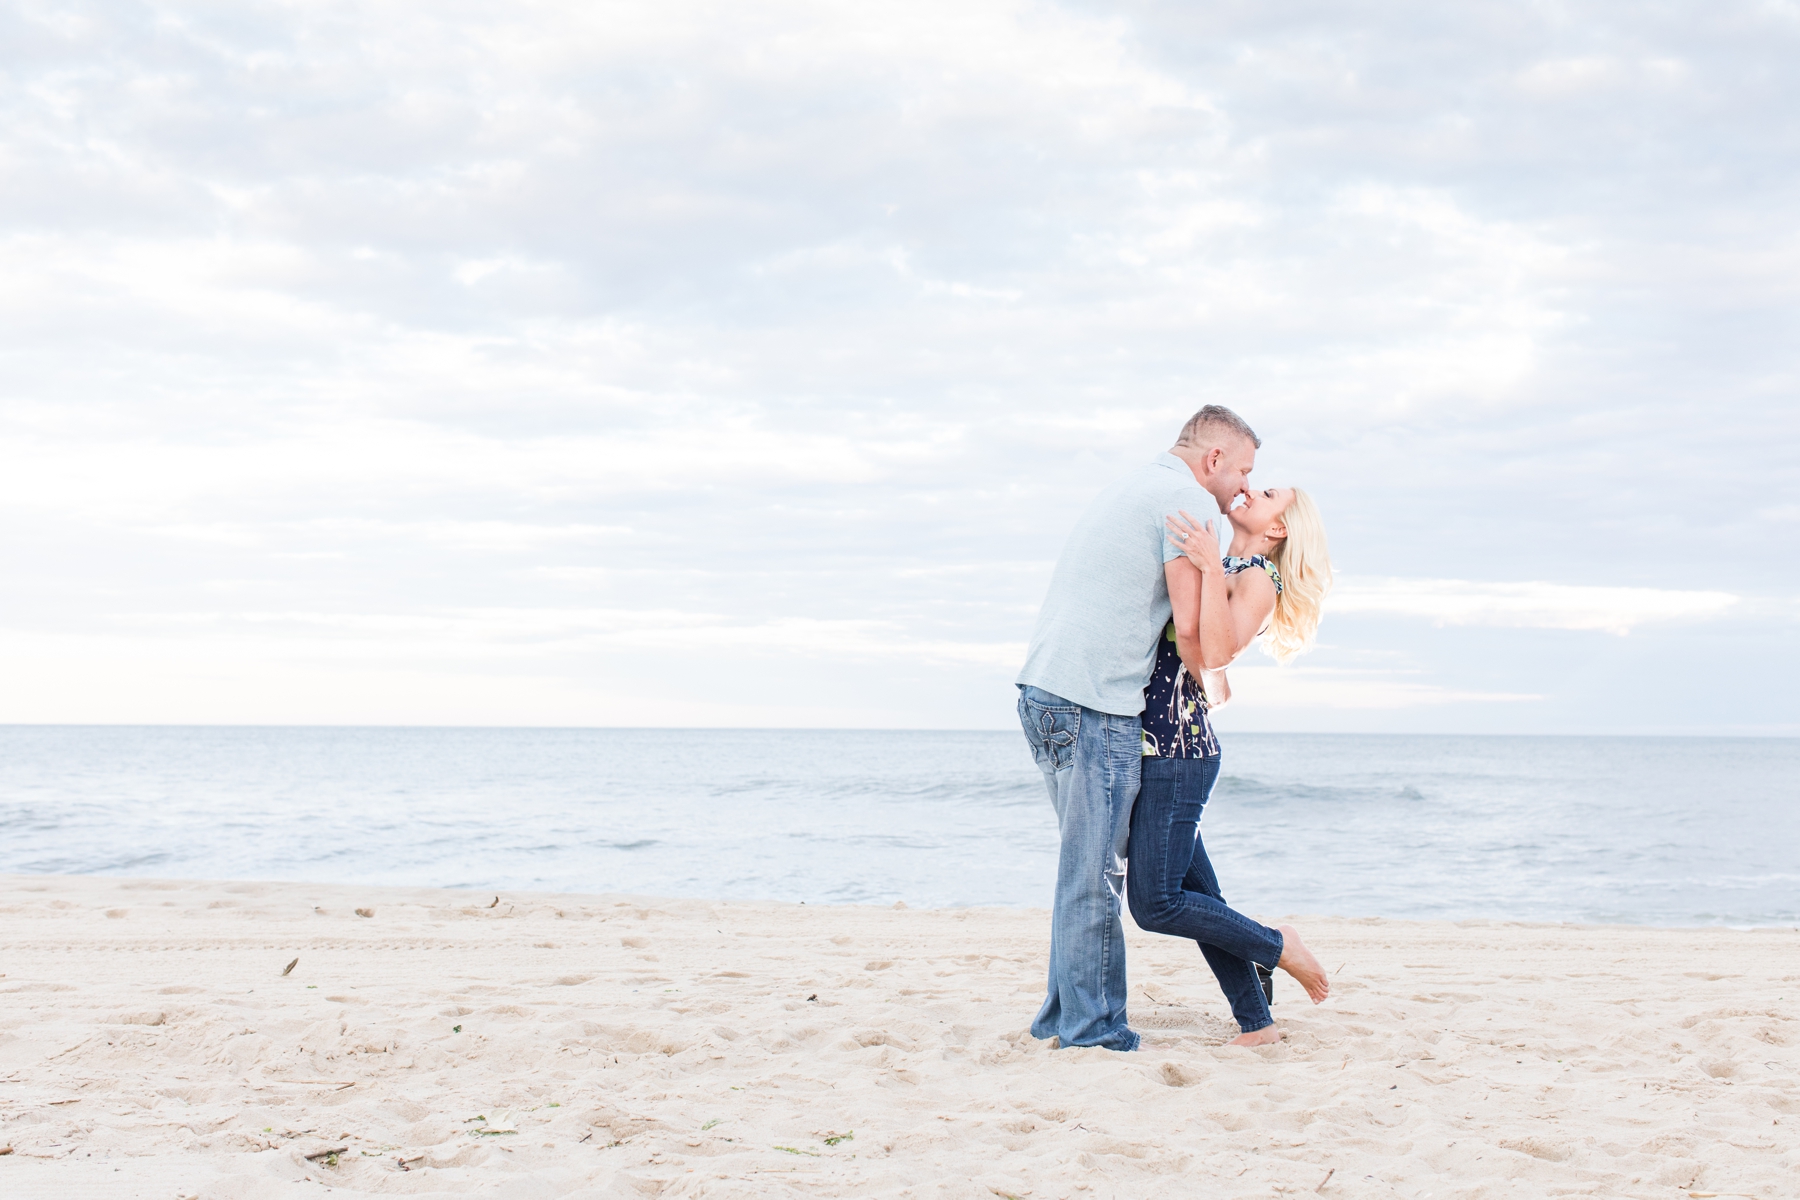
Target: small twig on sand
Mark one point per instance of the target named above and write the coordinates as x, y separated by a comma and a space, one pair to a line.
496, 903
1326, 1180
326, 1153
78, 1045
285, 970
403, 1161
590, 1134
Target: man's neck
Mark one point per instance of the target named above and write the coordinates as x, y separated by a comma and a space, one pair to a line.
1192, 463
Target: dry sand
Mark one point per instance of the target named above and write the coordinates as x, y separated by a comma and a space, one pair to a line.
613, 1046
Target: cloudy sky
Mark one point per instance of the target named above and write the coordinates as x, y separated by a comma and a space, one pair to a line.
745, 363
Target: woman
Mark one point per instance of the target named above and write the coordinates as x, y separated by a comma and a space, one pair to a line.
1270, 586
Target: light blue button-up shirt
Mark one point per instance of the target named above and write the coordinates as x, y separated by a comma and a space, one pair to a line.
1096, 635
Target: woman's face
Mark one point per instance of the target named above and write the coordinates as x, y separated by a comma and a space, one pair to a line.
1260, 513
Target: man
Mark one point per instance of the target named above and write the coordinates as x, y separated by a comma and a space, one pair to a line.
1081, 696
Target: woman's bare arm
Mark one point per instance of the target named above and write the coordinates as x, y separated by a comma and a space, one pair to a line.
1183, 579
1233, 609
1252, 602
1218, 636
1211, 607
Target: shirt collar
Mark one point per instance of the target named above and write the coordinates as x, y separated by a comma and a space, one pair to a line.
1165, 459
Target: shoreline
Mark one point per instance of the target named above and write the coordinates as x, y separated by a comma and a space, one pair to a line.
647, 1046
1791, 924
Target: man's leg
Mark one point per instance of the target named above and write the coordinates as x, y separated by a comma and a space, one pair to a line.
1091, 761
1050, 725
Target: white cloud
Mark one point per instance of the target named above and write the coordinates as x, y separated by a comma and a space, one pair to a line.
511, 537
1568, 76
1257, 691
810, 325
443, 635
498, 667
1532, 605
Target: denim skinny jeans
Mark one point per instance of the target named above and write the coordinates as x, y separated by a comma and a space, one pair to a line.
1090, 762
1173, 889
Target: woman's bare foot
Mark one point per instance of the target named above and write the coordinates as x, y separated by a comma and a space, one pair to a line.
1299, 962
1266, 1036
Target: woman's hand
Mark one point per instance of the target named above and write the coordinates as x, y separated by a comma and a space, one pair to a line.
1218, 688
1197, 541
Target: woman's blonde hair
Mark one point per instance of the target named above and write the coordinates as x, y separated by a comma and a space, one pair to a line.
1304, 561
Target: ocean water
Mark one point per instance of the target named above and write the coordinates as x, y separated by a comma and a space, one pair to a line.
1650, 831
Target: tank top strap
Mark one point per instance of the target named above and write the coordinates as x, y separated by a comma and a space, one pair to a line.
1234, 564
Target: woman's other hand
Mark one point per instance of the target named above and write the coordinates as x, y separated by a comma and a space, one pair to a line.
1218, 688
1198, 541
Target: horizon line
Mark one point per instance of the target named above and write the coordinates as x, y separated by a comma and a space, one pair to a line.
396, 725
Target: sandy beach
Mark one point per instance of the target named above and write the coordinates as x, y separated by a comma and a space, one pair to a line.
552, 1045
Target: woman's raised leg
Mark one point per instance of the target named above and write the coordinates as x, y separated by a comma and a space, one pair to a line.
1237, 976
1170, 880
1295, 958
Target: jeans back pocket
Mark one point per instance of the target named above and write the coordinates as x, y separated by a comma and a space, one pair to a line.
1052, 731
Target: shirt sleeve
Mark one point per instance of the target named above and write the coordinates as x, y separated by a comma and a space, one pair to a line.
1198, 504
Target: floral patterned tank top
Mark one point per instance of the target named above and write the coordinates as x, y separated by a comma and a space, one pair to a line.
1175, 720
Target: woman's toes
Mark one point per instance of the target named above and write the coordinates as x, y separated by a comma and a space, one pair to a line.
1299, 962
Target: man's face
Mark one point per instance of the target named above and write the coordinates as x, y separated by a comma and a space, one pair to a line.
1228, 476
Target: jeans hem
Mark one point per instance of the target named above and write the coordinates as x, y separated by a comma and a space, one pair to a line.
1130, 1037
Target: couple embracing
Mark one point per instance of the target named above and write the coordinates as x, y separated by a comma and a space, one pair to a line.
1128, 657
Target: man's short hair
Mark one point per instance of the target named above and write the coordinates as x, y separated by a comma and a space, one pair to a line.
1213, 422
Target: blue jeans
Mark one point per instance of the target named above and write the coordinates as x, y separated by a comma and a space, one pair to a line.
1173, 889
1090, 762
